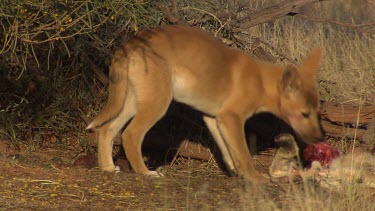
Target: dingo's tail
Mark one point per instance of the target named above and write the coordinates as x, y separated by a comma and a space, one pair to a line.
118, 81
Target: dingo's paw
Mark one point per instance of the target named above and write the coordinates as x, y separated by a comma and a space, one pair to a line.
154, 174
110, 168
117, 169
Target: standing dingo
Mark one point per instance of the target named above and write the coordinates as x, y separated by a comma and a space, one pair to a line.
225, 84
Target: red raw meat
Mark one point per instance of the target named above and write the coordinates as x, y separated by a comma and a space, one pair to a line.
321, 152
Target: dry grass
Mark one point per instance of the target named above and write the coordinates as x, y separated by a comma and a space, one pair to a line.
347, 70
308, 197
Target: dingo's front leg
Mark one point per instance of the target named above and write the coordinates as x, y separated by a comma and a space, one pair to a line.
231, 127
212, 126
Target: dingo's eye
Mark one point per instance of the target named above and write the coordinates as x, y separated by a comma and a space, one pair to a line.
305, 115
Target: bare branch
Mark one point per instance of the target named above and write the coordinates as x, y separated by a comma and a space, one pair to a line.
272, 13
171, 14
293, 61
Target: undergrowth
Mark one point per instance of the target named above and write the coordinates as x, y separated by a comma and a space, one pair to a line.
47, 49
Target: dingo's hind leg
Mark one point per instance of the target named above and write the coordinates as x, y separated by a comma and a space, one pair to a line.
108, 131
153, 93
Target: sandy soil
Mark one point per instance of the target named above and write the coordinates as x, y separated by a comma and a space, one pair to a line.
46, 179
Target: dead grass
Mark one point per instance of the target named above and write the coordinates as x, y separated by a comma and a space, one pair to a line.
347, 71
307, 195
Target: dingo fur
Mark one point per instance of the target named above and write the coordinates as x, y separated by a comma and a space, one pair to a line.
227, 85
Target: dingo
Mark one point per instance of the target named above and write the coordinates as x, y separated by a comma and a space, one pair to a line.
227, 85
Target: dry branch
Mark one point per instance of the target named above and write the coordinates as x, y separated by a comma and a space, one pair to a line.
272, 13
340, 120
171, 14
347, 114
340, 131
99, 74
193, 150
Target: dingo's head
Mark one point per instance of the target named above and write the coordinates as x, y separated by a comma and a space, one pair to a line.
299, 101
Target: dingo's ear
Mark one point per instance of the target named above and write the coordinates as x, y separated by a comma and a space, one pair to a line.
290, 80
311, 63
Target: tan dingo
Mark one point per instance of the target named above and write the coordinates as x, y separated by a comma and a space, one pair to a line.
225, 84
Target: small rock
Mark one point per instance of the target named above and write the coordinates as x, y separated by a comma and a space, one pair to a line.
85, 161
123, 164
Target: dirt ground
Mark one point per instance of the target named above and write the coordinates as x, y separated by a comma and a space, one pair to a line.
60, 175
46, 179
45, 175
40, 178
